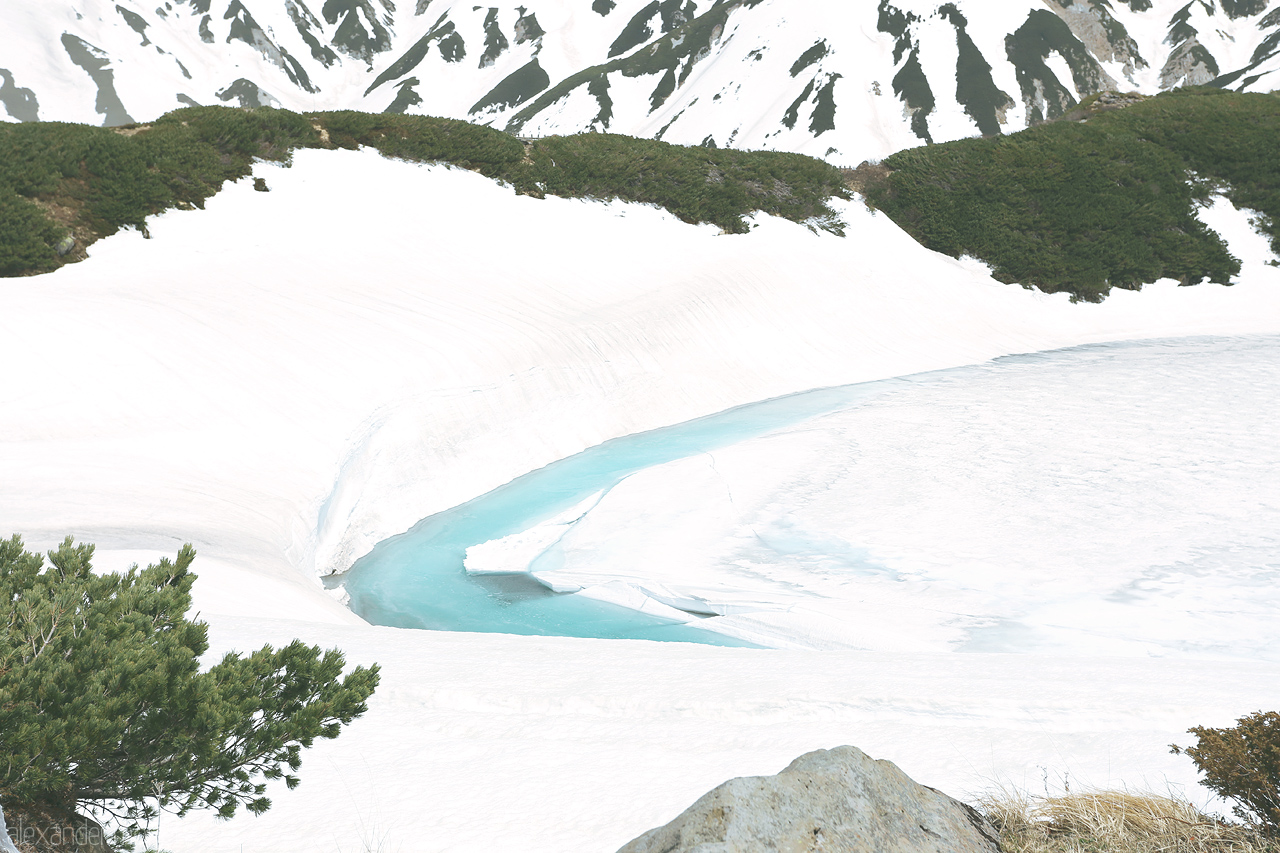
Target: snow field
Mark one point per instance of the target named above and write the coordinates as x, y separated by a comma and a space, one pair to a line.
285, 385
503, 743
285, 379
1120, 500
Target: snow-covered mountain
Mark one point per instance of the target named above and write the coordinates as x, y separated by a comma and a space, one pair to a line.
841, 79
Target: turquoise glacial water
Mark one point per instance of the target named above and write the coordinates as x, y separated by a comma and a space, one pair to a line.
417, 579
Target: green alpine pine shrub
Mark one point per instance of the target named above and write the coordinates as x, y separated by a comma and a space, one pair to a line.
718, 186
28, 240
105, 179
104, 709
1106, 198
424, 138
1242, 763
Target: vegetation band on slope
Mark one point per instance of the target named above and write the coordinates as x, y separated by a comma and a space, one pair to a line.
1104, 198
62, 186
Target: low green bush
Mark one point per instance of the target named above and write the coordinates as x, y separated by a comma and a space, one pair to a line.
1089, 204
28, 239
697, 184
423, 139
104, 707
118, 177
1242, 763
112, 178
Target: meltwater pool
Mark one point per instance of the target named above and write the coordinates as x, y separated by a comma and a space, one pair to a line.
1110, 440
417, 579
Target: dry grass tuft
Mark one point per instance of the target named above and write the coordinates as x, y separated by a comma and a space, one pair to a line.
1115, 822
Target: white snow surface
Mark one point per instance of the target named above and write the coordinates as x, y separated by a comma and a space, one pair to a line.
517, 551
284, 379
1116, 502
503, 743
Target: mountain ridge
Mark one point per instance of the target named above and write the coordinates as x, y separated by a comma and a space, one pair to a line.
845, 83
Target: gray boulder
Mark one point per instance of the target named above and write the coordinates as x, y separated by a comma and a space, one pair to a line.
832, 800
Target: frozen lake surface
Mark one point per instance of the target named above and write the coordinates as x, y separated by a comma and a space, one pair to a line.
1114, 498
419, 580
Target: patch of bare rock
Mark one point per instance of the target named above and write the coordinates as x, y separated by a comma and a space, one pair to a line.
832, 800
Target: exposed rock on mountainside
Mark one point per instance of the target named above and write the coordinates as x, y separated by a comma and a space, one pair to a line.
841, 81
1102, 35
837, 800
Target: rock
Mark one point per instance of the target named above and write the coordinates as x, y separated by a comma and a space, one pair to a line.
1116, 99
65, 245
832, 800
